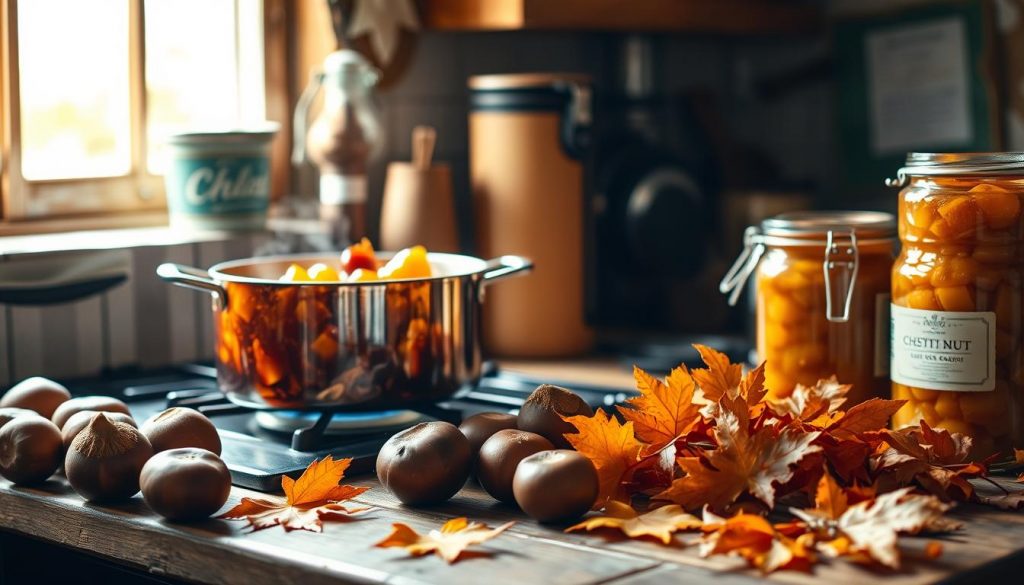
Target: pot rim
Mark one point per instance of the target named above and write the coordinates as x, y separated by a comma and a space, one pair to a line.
472, 266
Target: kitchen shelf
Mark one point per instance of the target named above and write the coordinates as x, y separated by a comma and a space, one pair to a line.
707, 16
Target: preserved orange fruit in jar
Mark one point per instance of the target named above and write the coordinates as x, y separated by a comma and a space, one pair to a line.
957, 329
822, 298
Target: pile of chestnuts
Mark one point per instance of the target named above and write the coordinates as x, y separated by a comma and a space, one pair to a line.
174, 457
521, 460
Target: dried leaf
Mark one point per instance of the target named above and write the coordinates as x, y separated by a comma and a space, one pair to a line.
453, 538
871, 528
807, 403
659, 523
664, 411
611, 446
741, 463
1007, 501
830, 499
720, 377
934, 459
313, 498
752, 537
870, 415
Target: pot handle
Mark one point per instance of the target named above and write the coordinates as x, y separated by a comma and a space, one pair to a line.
189, 277
504, 266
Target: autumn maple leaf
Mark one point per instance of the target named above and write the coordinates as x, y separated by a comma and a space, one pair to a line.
449, 542
935, 459
752, 537
664, 411
808, 403
720, 377
871, 528
611, 446
741, 462
309, 500
659, 523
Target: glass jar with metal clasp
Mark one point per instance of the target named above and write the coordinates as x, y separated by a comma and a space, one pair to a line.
958, 297
821, 291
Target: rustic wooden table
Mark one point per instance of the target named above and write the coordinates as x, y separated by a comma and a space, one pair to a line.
989, 547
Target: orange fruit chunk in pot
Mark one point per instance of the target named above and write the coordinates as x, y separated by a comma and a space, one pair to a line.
358, 255
320, 272
363, 275
408, 263
295, 273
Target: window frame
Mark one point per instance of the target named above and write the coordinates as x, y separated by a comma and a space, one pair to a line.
137, 193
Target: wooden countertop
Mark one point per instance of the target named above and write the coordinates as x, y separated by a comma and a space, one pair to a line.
991, 544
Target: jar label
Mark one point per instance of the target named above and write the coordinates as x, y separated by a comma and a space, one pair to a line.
943, 350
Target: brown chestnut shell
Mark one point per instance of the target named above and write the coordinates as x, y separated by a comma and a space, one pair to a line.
178, 428
30, 450
79, 420
105, 459
555, 486
543, 411
36, 393
425, 464
96, 403
185, 484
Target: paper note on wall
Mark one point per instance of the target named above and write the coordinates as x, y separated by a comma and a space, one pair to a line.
918, 86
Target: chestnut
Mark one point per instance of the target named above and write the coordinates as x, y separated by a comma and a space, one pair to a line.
78, 421
425, 464
185, 484
36, 393
499, 457
479, 427
7, 414
30, 450
176, 428
105, 459
555, 486
95, 403
543, 411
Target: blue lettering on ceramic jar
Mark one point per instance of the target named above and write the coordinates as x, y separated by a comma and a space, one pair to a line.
221, 185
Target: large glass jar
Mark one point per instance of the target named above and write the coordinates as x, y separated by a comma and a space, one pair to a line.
822, 298
958, 352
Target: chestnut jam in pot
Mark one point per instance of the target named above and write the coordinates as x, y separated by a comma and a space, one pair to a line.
822, 298
958, 337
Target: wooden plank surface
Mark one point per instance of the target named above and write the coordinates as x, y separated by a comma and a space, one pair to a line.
990, 543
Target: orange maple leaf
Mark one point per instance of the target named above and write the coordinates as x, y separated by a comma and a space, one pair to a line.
870, 529
868, 416
752, 537
611, 446
659, 523
742, 462
309, 500
449, 543
808, 403
664, 411
935, 459
720, 377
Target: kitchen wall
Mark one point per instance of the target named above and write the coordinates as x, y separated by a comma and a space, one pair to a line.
143, 322
793, 128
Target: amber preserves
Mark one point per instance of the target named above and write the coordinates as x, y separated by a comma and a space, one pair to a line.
822, 296
957, 301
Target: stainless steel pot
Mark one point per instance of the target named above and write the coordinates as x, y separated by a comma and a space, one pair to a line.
346, 346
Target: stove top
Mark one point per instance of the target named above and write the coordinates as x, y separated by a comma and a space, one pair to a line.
261, 446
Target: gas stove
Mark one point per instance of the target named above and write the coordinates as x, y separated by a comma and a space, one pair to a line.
261, 446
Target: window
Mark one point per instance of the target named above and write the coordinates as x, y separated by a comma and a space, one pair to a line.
92, 87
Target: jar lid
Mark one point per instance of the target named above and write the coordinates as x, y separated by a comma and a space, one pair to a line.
958, 163
817, 224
